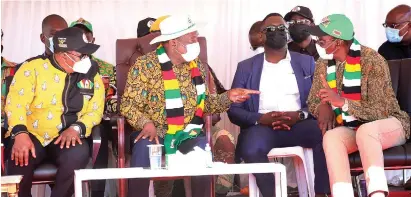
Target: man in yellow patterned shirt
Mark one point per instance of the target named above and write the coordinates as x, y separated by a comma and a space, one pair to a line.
165, 94
53, 104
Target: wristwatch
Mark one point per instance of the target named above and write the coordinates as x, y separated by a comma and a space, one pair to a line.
345, 106
301, 115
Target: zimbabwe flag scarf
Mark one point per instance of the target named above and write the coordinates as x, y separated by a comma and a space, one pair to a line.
351, 87
176, 132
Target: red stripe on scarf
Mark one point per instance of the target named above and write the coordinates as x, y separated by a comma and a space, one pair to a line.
353, 60
195, 72
199, 112
168, 75
179, 120
353, 96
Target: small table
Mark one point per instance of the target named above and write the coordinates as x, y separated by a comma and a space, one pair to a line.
9, 185
217, 169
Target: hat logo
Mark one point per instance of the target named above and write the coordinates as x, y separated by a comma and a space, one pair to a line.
325, 21
189, 21
296, 9
62, 42
81, 20
336, 33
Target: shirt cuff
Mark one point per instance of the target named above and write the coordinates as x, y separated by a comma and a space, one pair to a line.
18, 129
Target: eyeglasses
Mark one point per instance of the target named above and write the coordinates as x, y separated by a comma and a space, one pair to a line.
394, 25
274, 28
301, 21
323, 43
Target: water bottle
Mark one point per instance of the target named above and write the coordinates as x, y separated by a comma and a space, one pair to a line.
209, 156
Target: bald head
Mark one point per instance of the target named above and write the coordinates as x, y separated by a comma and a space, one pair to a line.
53, 22
50, 25
400, 18
255, 36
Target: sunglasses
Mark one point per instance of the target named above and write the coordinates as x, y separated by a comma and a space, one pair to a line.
275, 28
301, 21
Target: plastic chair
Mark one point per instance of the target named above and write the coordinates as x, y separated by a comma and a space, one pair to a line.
304, 166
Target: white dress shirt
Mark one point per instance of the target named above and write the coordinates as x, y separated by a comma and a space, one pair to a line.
259, 50
278, 87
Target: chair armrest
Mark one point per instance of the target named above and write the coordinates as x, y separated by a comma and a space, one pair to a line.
96, 136
121, 142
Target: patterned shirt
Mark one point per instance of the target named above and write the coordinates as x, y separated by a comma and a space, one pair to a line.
7, 69
109, 71
378, 100
44, 100
143, 100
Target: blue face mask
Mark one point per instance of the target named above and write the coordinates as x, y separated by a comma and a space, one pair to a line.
50, 39
393, 35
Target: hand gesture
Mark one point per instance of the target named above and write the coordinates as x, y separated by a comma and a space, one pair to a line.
327, 95
285, 120
67, 137
21, 148
326, 118
239, 95
149, 130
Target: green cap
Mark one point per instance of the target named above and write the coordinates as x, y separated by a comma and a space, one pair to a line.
336, 25
83, 22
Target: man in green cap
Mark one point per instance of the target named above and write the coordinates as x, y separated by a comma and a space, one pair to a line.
108, 75
354, 81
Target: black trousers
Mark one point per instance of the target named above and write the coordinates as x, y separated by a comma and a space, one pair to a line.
66, 160
106, 134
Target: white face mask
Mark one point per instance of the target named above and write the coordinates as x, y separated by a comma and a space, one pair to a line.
323, 54
193, 50
82, 66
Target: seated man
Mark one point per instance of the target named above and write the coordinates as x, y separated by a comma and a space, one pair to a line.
165, 98
278, 117
52, 106
354, 80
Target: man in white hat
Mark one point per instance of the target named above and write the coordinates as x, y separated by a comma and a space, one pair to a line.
166, 97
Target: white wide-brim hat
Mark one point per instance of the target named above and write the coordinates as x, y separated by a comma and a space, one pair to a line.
174, 27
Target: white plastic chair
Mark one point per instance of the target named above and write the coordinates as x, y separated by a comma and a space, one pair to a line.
304, 166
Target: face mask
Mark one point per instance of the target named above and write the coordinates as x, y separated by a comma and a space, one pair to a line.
393, 35
299, 32
323, 54
50, 39
276, 39
82, 66
193, 50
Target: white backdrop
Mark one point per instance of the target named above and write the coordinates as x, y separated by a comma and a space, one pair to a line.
225, 23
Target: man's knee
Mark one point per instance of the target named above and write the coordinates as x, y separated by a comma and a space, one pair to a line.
254, 155
140, 157
330, 138
75, 157
366, 132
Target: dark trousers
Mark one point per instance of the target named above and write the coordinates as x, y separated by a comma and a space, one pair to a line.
66, 160
106, 134
200, 185
257, 141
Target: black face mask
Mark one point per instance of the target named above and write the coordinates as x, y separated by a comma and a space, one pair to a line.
276, 39
299, 32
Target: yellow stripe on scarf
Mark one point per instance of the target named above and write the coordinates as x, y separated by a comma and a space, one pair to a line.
171, 84
193, 64
339, 119
332, 84
172, 129
352, 67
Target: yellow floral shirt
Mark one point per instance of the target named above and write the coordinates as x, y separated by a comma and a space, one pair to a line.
44, 100
143, 99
